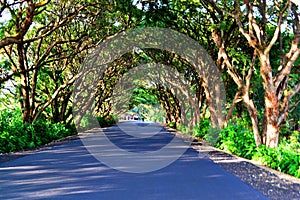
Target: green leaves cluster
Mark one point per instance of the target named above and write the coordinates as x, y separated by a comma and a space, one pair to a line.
16, 135
202, 128
284, 158
142, 96
237, 139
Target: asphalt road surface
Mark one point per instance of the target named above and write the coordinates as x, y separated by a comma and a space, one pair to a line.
69, 171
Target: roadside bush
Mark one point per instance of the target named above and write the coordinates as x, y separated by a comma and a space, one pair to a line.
183, 129
15, 135
172, 124
198, 131
202, 128
295, 138
106, 121
283, 158
87, 122
212, 136
237, 139
267, 156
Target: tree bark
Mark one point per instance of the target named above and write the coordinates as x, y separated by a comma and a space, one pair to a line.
24, 88
270, 125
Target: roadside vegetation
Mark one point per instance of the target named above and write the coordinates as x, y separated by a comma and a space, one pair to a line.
237, 138
254, 45
16, 135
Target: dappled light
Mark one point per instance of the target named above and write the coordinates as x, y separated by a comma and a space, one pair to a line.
69, 171
100, 99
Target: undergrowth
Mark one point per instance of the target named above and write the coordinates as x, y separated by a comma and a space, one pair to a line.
237, 138
16, 135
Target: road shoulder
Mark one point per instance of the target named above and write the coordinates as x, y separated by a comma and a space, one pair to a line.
271, 183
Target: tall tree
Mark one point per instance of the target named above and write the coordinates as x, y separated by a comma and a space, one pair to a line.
44, 42
262, 24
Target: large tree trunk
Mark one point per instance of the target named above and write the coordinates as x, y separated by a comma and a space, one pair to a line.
270, 126
215, 121
251, 107
270, 123
253, 116
24, 88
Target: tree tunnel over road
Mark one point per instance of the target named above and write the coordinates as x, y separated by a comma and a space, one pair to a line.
175, 86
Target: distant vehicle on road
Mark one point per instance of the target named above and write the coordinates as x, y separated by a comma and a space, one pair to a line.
136, 117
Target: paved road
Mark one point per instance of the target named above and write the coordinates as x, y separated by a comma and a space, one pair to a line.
69, 171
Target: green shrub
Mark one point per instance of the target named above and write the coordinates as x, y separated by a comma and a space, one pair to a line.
284, 158
237, 139
172, 124
202, 128
212, 136
106, 121
267, 156
89, 121
86, 122
184, 129
295, 138
15, 135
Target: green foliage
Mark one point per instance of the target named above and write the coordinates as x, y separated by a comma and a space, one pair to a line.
15, 135
292, 122
183, 129
237, 139
295, 137
267, 156
89, 121
106, 121
284, 158
140, 96
172, 125
86, 122
202, 128
212, 136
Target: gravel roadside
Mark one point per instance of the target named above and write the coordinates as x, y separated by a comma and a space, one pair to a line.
10, 156
271, 183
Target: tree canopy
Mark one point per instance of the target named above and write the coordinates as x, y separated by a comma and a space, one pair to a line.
254, 44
